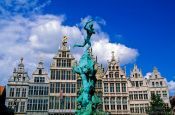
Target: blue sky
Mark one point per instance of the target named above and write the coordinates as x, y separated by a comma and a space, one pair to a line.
144, 28
147, 25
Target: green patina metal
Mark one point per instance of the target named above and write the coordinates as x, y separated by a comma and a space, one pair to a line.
87, 101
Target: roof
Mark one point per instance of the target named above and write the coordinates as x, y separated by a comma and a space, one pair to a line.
2, 89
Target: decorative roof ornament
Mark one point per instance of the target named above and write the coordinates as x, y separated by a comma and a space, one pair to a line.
64, 40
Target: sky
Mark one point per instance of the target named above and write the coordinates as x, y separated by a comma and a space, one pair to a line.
140, 32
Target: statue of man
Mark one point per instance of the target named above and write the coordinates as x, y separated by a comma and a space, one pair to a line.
89, 30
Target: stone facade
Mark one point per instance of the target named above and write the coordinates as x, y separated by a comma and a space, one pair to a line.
17, 90
56, 94
38, 95
62, 96
115, 91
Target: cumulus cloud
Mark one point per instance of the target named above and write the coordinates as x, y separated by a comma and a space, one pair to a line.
148, 74
171, 86
40, 36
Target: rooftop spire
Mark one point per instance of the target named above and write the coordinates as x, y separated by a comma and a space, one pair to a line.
113, 57
21, 59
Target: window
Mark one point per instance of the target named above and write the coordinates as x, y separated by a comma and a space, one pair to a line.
68, 75
63, 87
40, 103
110, 74
63, 54
78, 83
73, 100
67, 102
152, 93
140, 95
51, 87
158, 93
51, 102
135, 95
117, 87
58, 75
136, 76
34, 107
22, 107
10, 104
132, 109
117, 74
63, 75
124, 100
23, 92
106, 102
131, 96
63, 62
164, 93
141, 83
30, 90
67, 87
141, 108
12, 92
73, 76
111, 87
57, 88
105, 87
68, 63
17, 92
45, 106
118, 100
112, 101
157, 84
133, 83
123, 87
124, 107
36, 79
73, 88
52, 75
145, 95
99, 83
46, 90
153, 84
42, 79
136, 108
59, 63
160, 83
137, 84
16, 107
40, 71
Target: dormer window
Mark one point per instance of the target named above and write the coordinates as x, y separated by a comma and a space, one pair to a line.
160, 83
113, 68
109, 67
116, 74
64, 54
40, 71
110, 74
156, 76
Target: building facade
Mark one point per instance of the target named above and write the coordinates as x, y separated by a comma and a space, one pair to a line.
38, 95
157, 85
56, 94
138, 92
17, 90
62, 96
115, 91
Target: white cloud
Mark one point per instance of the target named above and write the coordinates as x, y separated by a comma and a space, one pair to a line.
40, 36
148, 74
171, 86
103, 49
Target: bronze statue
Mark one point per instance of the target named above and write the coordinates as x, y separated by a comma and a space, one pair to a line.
89, 30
